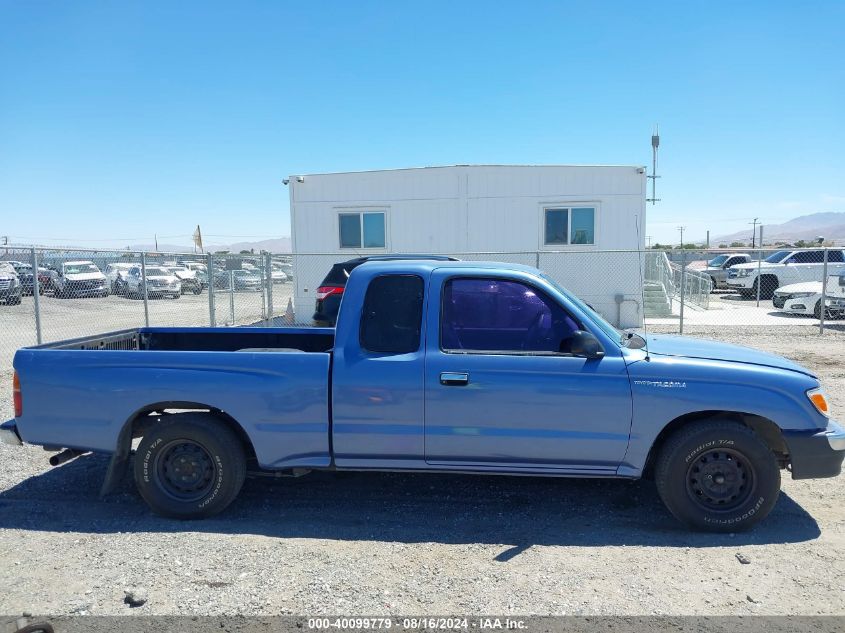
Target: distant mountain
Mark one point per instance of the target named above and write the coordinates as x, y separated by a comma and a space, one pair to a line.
277, 245
830, 225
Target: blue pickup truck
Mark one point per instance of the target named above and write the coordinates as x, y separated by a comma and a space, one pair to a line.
433, 366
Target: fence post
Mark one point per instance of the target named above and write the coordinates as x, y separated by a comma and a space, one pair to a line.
144, 286
209, 264
232, 295
759, 279
36, 292
824, 294
683, 286
268, 267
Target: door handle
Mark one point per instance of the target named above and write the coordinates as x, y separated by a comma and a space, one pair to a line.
454, 378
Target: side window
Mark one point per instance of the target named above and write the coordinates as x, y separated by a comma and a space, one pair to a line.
498, 315
392, 314
834, 256
809, 257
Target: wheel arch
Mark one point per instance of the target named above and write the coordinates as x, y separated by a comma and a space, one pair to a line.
765, 428
142, 419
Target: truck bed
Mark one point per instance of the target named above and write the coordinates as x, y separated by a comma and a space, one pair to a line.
280, 399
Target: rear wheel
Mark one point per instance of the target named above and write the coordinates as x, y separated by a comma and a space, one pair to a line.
718, 476
190, 467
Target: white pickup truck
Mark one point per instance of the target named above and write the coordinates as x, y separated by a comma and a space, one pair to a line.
783, 268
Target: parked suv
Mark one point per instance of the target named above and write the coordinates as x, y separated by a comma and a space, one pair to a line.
330, 291
783, 268
160, 282
79, 279
717, 268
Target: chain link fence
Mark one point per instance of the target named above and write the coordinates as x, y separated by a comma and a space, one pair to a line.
76, 293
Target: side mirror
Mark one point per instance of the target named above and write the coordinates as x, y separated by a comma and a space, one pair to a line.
584, 344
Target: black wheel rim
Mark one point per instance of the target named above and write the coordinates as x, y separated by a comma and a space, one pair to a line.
185, 471
720, 480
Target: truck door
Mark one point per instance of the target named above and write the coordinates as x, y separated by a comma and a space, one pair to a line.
377, 374
503, 393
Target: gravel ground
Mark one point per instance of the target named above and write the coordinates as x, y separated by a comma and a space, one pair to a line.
360, 543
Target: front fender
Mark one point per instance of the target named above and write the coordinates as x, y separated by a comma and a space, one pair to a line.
665, 388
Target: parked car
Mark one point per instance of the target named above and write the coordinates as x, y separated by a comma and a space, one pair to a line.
286, 268
189, 278
330, 291
801, 298
783, 268
200, 269
244, 280
10, 285
26, 278
835, 299
717, 268
115, 273
79, 279
160, 282
278, 275
467, 367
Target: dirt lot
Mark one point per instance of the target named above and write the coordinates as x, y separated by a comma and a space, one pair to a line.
414, 544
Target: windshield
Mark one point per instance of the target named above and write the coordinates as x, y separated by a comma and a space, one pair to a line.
78, 269
718, 261
776, 258
614, 333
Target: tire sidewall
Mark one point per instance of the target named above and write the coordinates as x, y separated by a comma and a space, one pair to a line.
766, 480
226, 484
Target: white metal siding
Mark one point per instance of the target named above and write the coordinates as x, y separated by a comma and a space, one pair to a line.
455, 210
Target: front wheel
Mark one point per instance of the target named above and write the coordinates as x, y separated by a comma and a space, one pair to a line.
190, 466
718, 476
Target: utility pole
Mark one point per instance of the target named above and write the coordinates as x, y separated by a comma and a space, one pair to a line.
681, 229
754, 232
648, 237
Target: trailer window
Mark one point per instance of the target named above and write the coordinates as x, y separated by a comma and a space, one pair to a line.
392, 315
362, 230
569, 225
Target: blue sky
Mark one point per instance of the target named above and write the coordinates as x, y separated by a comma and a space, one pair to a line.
119, 120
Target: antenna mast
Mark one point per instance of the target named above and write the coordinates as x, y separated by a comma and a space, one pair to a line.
655, 143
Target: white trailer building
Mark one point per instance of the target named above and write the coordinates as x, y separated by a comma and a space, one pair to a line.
559, 218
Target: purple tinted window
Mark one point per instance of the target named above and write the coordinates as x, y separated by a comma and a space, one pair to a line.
499, 315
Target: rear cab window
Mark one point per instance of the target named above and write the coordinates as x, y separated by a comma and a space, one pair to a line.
391, 318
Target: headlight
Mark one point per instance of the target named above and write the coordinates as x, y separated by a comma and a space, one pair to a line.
799, 295
817, 397
743, 272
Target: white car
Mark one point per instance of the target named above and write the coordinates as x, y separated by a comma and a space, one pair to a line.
783, 268
115, 273
160, 283
278, 275
835, 292
802, 298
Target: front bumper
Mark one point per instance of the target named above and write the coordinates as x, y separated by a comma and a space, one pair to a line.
9, 434
742, 283
814, 455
